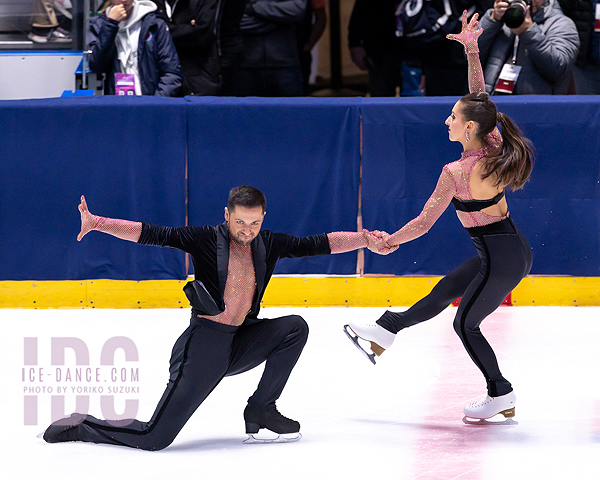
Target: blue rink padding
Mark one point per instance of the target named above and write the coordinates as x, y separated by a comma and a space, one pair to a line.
302, 153
405, 145
130, 157
404, 148
126, 155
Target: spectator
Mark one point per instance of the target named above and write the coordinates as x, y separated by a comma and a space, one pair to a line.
308, 32
533, 58
128, 37
192, 27
231, 43
586, 72
382, 46
443, 62
208, 40
46, 25
270, 67
375, 47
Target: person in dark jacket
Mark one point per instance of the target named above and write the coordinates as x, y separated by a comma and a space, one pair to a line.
380, 43
192, 26
543, 48
308, 33
208, 40
375, 47
586, 72
130, 38
271, 65
443, 62
233, 263
230, 42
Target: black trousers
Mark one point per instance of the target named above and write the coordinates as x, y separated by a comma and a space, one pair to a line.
504, 259
203, 355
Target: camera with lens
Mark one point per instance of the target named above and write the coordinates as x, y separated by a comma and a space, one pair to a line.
515, 13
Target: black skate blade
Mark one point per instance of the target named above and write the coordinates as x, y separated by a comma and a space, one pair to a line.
354, 340
254, 438
490, 421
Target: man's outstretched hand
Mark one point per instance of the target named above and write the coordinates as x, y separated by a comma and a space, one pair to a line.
123, 229
87, 219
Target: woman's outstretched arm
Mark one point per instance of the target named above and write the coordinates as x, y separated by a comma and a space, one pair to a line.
468, 37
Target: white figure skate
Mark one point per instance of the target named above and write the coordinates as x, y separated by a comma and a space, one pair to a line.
379, 338
482, 411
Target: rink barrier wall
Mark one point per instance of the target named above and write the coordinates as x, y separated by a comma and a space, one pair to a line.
297, 291
172, 161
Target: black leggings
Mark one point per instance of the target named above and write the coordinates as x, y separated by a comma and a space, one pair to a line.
205, 353
483, 282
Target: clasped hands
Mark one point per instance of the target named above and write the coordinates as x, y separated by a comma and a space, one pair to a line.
377, 242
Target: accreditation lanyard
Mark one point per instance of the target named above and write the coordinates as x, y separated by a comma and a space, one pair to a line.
510, 72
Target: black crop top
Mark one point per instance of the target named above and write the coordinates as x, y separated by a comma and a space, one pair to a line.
476, 205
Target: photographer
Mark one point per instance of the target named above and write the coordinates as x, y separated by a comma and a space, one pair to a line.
530, 50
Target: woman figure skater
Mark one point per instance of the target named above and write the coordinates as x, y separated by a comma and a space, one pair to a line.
475, 185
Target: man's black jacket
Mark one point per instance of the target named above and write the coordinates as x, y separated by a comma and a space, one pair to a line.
209, 248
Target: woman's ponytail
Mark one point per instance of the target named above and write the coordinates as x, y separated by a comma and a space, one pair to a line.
513, 165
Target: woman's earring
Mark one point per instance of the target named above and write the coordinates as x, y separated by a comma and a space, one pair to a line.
467, 135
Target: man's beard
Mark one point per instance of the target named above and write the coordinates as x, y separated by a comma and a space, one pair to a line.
243, 240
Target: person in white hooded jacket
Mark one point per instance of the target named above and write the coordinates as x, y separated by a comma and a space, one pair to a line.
128, 37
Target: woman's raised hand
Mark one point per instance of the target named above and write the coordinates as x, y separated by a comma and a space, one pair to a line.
469, 34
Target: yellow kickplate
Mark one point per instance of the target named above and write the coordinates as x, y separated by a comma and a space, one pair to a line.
347, 291
93, 294
284, 292
558, 291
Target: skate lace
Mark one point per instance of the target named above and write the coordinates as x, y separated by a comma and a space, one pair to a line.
481, 402
276, 413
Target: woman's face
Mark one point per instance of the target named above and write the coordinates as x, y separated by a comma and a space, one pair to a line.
456, 124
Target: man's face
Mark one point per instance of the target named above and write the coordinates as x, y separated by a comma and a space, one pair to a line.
536, 5
244, 223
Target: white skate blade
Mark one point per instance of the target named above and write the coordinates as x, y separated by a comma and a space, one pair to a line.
354, 339
280, 438
495, 420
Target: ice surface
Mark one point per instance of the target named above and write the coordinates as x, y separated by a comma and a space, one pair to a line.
400, 419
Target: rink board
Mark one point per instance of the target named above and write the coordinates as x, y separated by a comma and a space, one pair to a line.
173, 161
309, 291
